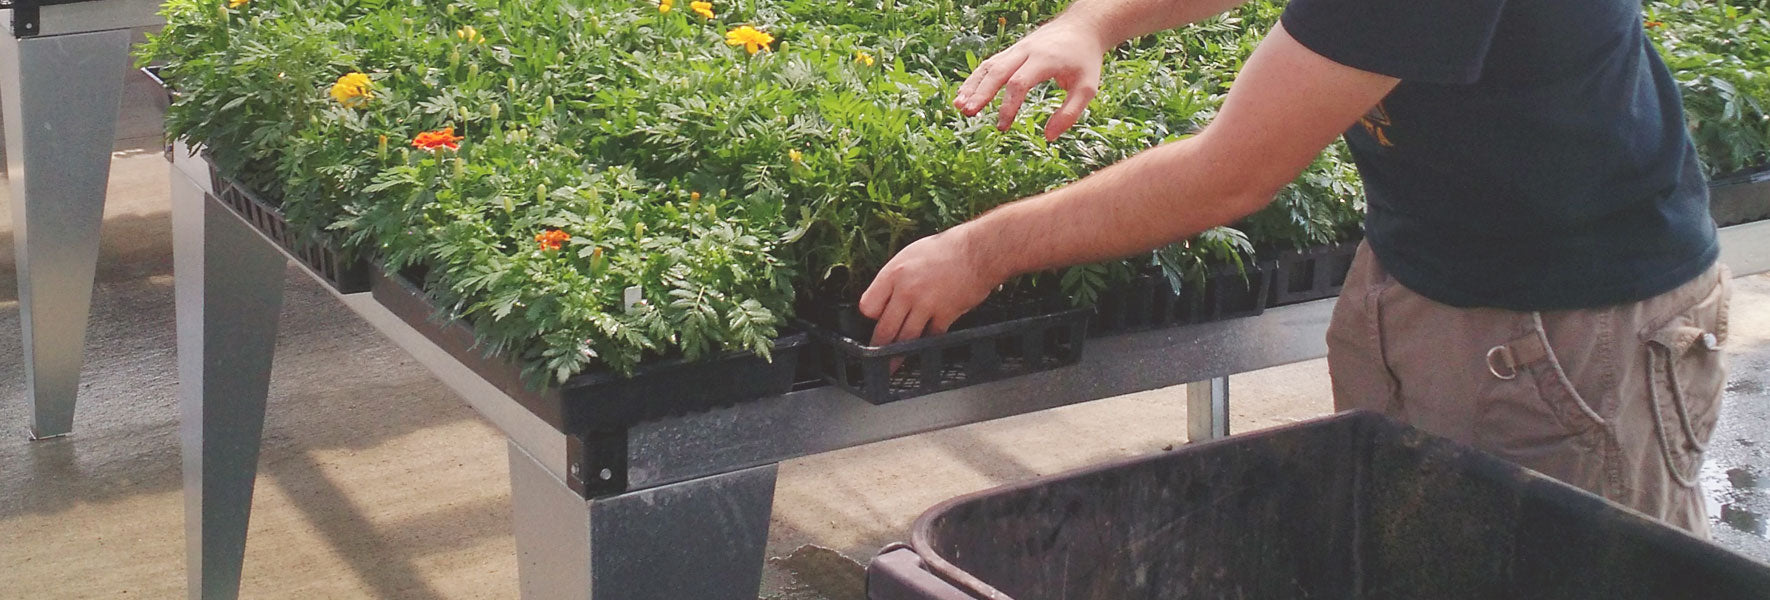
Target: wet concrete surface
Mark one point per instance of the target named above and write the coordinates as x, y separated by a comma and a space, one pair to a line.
376, 482
1736, 476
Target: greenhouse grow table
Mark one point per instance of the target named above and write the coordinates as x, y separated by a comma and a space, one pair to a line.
667, 509
62, 64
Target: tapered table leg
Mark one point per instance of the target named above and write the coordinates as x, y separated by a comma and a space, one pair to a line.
60, 95
229, 285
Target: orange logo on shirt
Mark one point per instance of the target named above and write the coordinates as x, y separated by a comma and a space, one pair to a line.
1376, 122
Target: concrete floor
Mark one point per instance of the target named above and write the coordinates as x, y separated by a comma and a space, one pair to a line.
376, 482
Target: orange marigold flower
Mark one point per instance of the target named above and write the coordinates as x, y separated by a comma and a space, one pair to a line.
552, 239
1655, 24
441, 138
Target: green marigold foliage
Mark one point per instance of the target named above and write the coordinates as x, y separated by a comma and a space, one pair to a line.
611, 144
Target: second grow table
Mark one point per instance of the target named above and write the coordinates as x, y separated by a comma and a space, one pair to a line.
674, 508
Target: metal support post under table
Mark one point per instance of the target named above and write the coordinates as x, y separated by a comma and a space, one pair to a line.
1207, 409
61, 85
229, 289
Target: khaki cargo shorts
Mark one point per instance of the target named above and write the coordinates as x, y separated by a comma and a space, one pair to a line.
1619, 400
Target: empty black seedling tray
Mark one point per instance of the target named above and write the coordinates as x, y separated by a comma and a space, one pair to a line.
1352, 506
317, 253
961, 358
1311, 274
601, 400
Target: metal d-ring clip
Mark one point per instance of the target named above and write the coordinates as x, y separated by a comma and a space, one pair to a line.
1511, 363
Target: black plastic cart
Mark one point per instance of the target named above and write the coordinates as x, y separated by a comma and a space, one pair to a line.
1349, 506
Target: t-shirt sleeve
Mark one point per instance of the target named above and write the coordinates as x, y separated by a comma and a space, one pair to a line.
1434, 41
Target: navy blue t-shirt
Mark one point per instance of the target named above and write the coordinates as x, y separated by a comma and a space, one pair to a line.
1534, 156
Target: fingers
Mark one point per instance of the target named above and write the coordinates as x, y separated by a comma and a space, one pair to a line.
891, 322
981, 87
872, 303
1075, 102
1018, 86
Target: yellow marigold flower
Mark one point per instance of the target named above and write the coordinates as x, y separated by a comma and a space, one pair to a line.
704, 9
470, 35
664, 5
236, 3
752, 40
352, 90
795, 155
864, 58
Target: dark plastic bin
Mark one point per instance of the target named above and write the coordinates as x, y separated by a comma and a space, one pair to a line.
1349, 506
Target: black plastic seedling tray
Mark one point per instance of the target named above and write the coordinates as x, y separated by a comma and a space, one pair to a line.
965, 357
1741, 198
345, 274
602, 400
1350, 506
1312, 274
1149, 301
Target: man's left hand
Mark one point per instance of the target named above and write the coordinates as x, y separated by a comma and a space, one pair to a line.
927, 286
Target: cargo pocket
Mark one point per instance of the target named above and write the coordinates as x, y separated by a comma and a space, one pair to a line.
1686, 371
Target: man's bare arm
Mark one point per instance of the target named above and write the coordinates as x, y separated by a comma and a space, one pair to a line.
1286, 106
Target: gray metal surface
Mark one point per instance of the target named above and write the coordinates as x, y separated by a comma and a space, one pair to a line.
1207, 410
60, 97
702, 539
824, 419
95, 15
229, 288
1746, 248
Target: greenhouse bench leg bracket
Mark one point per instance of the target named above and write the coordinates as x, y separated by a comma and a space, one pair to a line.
60, 96
703, 539
597, 463
229, 287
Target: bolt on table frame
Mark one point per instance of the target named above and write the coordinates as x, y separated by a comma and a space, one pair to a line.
61, 84
689, 515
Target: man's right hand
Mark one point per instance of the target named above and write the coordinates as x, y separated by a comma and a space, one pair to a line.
1066, 50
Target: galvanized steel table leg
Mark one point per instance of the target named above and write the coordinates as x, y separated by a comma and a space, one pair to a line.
1207, 409
702, 539
60, 96
229, 284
